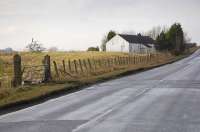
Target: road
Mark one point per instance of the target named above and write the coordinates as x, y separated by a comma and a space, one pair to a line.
164, 99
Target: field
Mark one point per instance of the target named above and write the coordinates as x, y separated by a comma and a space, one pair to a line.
35, 59
103, 66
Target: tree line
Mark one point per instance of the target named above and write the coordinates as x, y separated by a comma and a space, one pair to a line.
172, 40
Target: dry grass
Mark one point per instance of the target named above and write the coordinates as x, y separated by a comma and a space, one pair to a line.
36, 58
28, 93
11, 96
31, 59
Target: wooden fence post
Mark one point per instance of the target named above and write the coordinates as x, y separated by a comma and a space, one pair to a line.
69, 66
75, 66
85, 65
124, 60
127, 61
135, 61
142, 59
99, 61
105, 63
64, 67
56, 68
1, 68
147, 58
90, 65
47, 69
80, 63
118, 60
150, 57
115, 61
17, 80
94, 64
132, 60
108, 62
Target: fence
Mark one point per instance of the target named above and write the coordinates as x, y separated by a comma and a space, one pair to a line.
71, 69
5, 80
1, 68
1, 72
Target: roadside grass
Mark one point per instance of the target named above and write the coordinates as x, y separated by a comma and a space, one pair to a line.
12, 96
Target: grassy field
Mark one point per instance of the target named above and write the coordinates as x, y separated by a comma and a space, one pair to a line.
10, 95
36, 58
31, 59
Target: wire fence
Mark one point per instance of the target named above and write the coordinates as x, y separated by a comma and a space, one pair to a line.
65, 70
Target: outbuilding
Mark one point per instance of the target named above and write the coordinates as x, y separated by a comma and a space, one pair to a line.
131, 44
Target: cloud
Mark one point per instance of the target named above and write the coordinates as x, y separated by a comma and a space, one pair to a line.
76, 24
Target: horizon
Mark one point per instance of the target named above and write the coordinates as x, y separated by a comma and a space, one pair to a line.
77, 25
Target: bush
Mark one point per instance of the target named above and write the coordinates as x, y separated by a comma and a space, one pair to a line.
93, 49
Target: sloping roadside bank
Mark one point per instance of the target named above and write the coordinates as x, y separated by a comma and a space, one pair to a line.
29, 96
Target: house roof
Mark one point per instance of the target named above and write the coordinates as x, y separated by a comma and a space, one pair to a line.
139, 39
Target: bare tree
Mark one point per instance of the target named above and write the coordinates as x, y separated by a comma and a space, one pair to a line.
187, 39
35, 46
154, 32
106, 38
103, 43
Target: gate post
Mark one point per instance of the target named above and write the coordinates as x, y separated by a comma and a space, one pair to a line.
47, 69
17, 80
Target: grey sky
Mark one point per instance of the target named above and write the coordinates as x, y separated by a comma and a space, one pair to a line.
77, 24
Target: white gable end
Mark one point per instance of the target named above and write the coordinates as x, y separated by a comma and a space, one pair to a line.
117, 44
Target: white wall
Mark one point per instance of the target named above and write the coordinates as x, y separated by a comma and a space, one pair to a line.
139, 48
117, 44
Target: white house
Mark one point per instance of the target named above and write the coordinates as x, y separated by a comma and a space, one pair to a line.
130, 44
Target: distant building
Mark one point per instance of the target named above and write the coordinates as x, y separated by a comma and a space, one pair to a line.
131, 44
7, 50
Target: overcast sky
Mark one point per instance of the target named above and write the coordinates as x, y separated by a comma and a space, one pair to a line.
77, 24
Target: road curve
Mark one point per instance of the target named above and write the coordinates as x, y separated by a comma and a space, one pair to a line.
164, 99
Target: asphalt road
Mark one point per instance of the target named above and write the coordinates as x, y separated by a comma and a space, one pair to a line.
164, 99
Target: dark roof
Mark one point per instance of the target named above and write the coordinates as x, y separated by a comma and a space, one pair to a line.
139, 39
